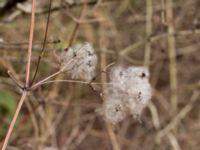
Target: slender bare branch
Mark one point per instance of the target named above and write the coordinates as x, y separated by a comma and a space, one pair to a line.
44, 43
13, 121
28, 67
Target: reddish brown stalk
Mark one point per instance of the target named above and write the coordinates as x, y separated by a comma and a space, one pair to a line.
28, 66
23, 97
12, 124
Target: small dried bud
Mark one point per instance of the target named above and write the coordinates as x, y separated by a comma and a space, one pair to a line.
79, 61
130, 89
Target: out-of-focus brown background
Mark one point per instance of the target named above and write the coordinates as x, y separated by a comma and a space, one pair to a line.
161, 34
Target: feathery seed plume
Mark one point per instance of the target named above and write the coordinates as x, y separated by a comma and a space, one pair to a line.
79, 61
128, 93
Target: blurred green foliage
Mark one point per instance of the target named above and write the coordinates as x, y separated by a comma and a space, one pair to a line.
7, 108
2, 2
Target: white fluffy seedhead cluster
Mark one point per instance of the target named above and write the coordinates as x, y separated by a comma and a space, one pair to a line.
79, 61
128, 93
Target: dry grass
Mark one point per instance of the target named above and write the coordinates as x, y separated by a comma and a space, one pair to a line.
160, 34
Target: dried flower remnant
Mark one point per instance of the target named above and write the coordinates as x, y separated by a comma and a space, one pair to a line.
79, 61
131, 89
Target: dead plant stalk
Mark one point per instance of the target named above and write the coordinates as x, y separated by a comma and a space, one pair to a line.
172, 56
28, 67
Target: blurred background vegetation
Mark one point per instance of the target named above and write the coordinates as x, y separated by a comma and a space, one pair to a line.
160, 34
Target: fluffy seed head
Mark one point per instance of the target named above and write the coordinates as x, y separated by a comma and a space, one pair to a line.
114, 110
79, 61
131, 89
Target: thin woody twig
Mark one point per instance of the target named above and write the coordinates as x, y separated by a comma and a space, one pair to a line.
26, 43
28, 67
81, 21
181, 115
72, 37
19, 106
108, 66
15, 80
88, 2
74, 81
44, 43
154, 38
46, 79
